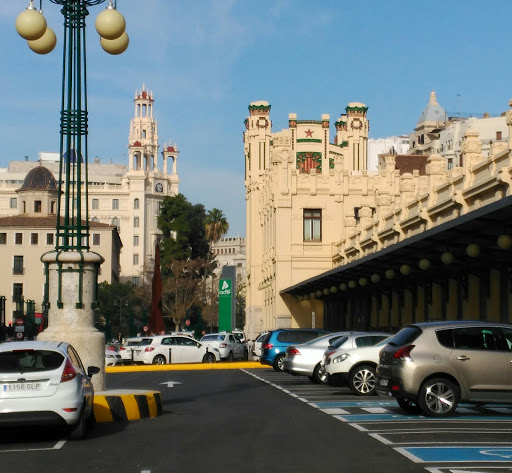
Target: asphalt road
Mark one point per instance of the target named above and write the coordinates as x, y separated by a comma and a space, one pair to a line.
226, 421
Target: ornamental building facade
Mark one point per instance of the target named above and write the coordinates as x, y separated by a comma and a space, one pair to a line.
127, 196
331, 244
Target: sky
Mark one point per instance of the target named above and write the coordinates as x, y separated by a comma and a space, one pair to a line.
206, 60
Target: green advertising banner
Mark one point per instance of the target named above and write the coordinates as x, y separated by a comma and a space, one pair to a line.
225, 295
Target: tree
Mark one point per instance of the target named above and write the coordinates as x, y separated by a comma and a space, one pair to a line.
183, 228
216, 225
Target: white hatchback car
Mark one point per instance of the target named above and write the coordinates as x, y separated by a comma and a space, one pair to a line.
354, 367
45, 383
256, 347
126, 349
163, 349
112, 357
229, 346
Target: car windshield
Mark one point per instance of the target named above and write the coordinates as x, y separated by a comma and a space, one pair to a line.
212, 338
26, 361
339, 342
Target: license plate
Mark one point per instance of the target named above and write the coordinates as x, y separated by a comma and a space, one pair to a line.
16, 387
383, 382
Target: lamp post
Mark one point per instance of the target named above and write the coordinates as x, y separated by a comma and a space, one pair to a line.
72, 269
3, 328
121, 302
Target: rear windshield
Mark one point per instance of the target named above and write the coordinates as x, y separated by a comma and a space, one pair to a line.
132, 343
145, 341
406, 336
300, 336
28, 361
339, 342
212, 338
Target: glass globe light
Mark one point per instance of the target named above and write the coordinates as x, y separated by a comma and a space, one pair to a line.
110, 24
447, 257
473, 250
424, 264
505, 242
115, 46
30, 24
45, 44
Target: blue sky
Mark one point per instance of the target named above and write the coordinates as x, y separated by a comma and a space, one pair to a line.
206, 60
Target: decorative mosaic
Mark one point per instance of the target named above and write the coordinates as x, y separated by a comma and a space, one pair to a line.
309, 160
309, 140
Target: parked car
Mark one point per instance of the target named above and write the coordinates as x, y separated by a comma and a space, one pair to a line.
229, 346
163, 349
256, 347
240, 335
112, 357
355, 367
126, 349
433, 366
45, 383
305, 359
275, 342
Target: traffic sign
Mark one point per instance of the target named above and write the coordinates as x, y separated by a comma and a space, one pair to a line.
19, 335
187, 323
19, 321
145, 328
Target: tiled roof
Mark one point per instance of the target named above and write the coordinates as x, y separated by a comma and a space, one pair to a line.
42, 222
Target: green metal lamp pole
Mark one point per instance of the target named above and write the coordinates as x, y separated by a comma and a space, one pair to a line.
72, 270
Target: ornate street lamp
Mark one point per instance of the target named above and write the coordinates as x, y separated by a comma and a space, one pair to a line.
72, 269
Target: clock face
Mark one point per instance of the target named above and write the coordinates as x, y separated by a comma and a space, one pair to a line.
159, 187
356, 124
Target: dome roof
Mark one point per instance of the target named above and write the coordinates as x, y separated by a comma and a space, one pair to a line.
39, 178
433, 112
171, 149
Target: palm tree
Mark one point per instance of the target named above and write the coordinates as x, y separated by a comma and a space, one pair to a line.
216, 225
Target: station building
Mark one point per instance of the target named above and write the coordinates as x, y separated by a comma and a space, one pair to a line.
331, 244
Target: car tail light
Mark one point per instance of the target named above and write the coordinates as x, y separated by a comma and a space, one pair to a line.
111, 348
148, 349
70, 409
69, 372
404, 353
122, 348
293, 351
329, 353
266, 346
223, 345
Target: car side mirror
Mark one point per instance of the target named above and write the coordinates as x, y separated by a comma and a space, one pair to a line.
92, 370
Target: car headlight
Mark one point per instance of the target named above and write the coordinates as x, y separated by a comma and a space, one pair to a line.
340, 358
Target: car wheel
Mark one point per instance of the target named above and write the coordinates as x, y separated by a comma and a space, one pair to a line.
209, 358
230, 356
319, 375
79, 430
279, 363
361, 380
159, 360
438, 397
408, 406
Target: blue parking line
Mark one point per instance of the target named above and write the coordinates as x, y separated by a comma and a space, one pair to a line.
323, 405
483, 453
417, 418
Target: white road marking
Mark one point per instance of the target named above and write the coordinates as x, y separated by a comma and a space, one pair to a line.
170, 384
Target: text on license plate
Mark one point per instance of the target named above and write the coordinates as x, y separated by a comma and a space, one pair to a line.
13, 387
383, 382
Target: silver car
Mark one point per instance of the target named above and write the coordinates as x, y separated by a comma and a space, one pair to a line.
229, 346
433, 366
355, 367
304, 359
45, 383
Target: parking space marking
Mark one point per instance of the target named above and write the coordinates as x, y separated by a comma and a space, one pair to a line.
417, 418
334, 410
452, 454
386, 437
57, 446
376, 410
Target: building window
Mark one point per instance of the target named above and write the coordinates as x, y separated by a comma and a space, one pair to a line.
135, 240
18, 265
18, 238
96, 239
13, 203
52, 205
95, 204
135, 222
3, 238
135, 281
135, 258
49, 238
34, 238
498, 135
17, 292
136, 204
115, 204
159, 208
37, 206
312, 225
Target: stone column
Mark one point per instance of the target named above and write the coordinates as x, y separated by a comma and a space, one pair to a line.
72, 293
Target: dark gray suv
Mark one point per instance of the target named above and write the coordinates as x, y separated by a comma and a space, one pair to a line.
433, 366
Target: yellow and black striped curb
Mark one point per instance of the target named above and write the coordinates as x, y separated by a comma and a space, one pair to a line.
126, 405
237, 365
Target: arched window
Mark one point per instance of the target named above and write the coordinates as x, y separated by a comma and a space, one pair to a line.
136, 204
